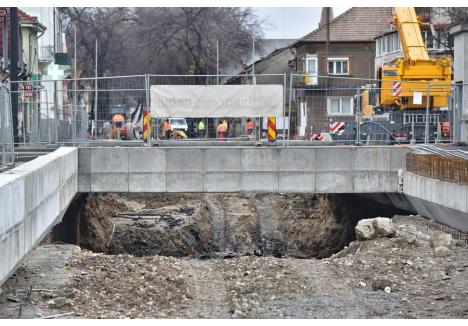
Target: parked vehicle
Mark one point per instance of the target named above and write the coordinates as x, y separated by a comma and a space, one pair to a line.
178, 124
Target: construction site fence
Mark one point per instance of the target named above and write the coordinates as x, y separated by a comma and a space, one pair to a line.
318, 104
6, 128
439, 167
316, 110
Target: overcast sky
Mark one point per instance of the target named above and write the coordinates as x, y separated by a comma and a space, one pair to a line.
292, 22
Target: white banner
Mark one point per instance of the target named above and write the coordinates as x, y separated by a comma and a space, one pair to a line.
216, 101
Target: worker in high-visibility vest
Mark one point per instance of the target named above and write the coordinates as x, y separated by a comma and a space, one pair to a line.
249, 126
167, 129
221, 131
225, 126
201, 129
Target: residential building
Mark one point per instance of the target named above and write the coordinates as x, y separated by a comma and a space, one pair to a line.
43, 62
325, 84
54, 61
29, 32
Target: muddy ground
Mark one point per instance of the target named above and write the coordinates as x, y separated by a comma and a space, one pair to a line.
236, 256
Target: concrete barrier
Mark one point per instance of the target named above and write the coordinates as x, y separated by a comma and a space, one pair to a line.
444, 201
33, 197
335, 169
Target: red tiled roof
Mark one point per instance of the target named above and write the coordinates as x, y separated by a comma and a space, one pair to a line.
355, 24
24, 18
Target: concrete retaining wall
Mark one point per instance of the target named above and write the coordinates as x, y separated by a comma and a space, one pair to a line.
444, 201
337, 169
33, 197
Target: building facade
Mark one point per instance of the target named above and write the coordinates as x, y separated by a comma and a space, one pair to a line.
327, 76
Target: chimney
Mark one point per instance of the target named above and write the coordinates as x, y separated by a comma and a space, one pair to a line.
323, 16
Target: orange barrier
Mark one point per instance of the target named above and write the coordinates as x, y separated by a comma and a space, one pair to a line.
271, 129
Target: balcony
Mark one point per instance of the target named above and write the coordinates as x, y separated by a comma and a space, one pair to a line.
46, 53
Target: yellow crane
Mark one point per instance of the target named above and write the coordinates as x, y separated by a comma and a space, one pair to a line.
412, 73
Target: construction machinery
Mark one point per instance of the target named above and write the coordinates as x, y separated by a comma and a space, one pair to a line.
414, 83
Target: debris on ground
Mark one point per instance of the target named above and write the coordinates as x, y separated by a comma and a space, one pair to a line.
368, 229
404, 270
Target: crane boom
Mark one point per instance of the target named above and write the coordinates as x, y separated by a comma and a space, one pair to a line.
416, 70
408, 26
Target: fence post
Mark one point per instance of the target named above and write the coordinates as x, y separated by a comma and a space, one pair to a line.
95, 108
284, 107
426, 129
6, 119
147, 93
73, 119
358, 117
289, 107
49, 136
56, 124
452, 114
56, 117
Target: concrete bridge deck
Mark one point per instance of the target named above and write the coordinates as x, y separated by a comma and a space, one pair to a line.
337, 169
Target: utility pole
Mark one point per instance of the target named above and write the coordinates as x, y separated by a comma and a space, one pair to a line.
253, 55
95, 91
14, 70
217, 62
74, 54
74, 110
327, 41
253, 61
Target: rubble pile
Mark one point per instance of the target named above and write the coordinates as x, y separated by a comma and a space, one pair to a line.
106, 286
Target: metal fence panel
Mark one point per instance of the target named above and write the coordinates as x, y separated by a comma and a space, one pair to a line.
6, 128
350, 110
329, 109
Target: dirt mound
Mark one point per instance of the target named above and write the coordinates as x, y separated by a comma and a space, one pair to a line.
127, 286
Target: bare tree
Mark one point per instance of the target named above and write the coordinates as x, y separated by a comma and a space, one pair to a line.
442, 19
162, 40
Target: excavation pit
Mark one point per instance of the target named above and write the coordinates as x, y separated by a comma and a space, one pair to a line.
216, 225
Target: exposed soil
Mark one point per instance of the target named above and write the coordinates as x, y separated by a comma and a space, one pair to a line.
265, 238
215, 225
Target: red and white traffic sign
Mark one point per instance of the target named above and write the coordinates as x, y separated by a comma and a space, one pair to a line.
396, 88
337, 127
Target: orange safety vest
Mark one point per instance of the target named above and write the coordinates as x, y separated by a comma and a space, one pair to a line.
250, 125
221, 128
167, 126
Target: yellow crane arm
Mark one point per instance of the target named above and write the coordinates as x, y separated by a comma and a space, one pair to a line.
409, 30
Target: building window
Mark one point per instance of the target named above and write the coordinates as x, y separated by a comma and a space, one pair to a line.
311, 70
339, 105
338, 66
378, 47
387, 44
